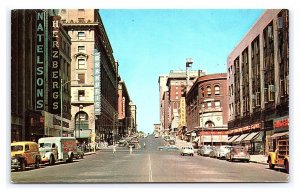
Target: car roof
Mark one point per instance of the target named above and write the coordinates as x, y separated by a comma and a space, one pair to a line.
22, 143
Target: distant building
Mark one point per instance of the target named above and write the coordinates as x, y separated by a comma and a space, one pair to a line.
207, 110
176, 84
258, 81
124, 111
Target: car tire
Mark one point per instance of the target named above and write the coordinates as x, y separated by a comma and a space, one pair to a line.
37, 163
271, 166
286, 166
81, 156
51, 161
23, 166
71, 158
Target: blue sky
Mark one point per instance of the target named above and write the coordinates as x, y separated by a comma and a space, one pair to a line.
148, 43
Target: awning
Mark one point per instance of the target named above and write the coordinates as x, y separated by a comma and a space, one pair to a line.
241, 137
280, 134
251, 136
233, 138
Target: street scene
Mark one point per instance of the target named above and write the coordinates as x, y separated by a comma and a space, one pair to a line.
149, 96
148, 164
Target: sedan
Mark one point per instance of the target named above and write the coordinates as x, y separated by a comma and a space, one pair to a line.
187, 151
205, 150
238, 153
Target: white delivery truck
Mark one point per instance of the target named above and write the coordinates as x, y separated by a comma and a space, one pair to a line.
54, 149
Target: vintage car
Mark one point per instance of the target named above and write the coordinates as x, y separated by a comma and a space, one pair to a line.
24, 154
238, 153
80, 152
204, 150
189, 150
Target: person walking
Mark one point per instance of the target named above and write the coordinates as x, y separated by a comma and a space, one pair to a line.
114, 149
130, 149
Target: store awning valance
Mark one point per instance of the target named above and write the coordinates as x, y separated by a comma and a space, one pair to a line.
241, 137
251, 136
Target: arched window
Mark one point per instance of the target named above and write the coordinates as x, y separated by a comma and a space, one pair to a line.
208, 90
82, 120
209, 124
217, 90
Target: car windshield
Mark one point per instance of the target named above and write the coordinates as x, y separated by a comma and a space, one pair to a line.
43, 145
16, 148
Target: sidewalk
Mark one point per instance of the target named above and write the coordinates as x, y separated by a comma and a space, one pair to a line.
181, 143
89, 153
260, 159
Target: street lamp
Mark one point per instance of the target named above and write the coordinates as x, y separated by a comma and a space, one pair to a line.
61, 100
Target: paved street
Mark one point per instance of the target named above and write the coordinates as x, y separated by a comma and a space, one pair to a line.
148, 165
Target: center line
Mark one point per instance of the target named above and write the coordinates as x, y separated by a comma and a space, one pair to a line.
150, 169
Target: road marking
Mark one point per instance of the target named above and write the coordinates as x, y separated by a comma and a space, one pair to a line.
150, 169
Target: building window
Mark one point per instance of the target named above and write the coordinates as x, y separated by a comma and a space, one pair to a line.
208, 89
81, 94
217, 104
81, 20
176, 97
81, 35
217, 90
208, 104
81, 77
202, 92
81, 49
81, 64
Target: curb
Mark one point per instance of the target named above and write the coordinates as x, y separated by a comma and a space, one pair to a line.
89, 153
259, 162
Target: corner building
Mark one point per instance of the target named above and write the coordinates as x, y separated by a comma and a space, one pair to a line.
258, 84
94, 96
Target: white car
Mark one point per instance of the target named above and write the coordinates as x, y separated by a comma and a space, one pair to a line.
156, 136
222, 151
187, 151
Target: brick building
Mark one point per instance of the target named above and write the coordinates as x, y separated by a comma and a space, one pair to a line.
40, 59
176, 87
95, 96
207, 110
124, 110
258, 81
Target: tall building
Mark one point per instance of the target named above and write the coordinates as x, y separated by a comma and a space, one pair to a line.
176, 85
133, 115
40, 61
95, 96
162, 81
207, 110
258, 81
124, 111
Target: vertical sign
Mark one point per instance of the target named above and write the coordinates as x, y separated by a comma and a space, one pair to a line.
54, 67
40, 61
182, 112
97, 83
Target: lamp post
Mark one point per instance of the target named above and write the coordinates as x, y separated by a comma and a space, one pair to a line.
61, 100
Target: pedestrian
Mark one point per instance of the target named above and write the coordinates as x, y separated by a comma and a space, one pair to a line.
144, 145
130, 149
114, 149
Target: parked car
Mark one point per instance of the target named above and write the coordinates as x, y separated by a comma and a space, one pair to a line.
213, 152
122, 143
222, 151
238, 153
168, 148
187, 151
205, 150
25, 153
156, 136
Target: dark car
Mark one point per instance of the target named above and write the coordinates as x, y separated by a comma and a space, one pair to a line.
80, 152
238, 153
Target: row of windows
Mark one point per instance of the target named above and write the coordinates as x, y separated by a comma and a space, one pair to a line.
208, 91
